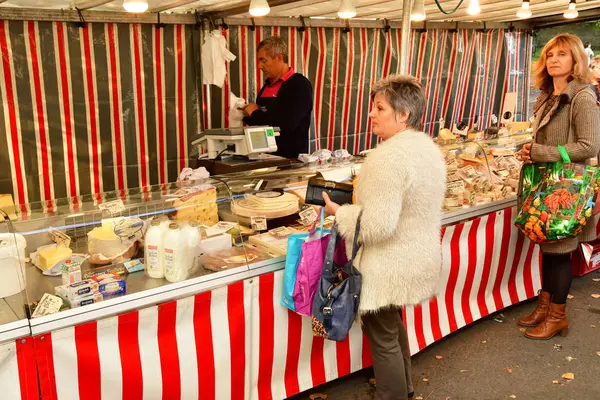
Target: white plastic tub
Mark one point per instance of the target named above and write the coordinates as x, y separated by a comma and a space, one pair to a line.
12, 264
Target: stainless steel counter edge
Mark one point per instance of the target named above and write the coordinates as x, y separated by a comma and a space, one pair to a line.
204, 283
14, 330
151, 297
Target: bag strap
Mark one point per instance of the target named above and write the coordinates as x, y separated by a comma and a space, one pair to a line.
314, 225
355, 246
330, 253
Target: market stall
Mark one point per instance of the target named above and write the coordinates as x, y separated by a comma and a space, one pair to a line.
101, 117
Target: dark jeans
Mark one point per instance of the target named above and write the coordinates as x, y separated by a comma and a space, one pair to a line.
391, 355
557, 275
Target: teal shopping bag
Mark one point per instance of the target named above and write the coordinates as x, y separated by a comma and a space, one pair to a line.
292, 259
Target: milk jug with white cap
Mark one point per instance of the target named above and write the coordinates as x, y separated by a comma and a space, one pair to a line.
176, 269
12, 264
154, 250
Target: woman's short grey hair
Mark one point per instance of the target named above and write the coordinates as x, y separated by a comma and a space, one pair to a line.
405, 94
274, 46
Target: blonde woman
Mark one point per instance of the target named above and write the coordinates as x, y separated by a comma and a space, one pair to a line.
565, 114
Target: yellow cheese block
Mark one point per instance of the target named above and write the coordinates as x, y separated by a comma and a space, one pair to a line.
104, 232
200, 207
8, 206
50, 256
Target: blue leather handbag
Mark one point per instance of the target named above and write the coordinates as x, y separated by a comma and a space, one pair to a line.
338, 295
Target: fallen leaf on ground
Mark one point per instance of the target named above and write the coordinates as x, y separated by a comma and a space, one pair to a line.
522, 329
568, 376
439, 357
372, 382
593, 326
509, 370
598, 353
596, 279
318, 396
555, 382
419, 398
569, 358
596, 296
557, 347
570, 296
512, 396
425, 380
484, 341
463, 370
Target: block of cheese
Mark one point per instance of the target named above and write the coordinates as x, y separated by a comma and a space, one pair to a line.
50, 256
200, 206
8, 206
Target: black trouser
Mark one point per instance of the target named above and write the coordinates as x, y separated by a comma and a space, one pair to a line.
391, 356
557, 275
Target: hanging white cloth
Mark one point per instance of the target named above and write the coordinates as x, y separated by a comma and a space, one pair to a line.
214, 55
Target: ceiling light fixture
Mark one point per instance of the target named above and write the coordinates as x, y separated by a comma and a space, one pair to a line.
346, 10
259, 8
135, 6
525, 11
571, 11
473, 8
418, 11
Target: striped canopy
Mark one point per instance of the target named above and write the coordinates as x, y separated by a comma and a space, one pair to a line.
491, 10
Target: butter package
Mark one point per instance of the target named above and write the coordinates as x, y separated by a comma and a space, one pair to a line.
90, 298
68, 292
110, 285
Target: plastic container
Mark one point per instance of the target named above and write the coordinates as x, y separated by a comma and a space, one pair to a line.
12, 264
192, 234
154, 251
176, 269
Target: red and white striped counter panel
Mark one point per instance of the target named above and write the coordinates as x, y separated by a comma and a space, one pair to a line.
238, 342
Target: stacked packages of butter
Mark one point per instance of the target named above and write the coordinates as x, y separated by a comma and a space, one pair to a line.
93, 290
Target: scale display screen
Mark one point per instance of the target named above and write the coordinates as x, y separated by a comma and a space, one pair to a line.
258, 139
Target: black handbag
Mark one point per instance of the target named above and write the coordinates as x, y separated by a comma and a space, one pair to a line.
339, 192
338, 295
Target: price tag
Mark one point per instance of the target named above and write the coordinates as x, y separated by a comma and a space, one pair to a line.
113, 207
469, 171
258, 223
59, 237
281, 232
308, 216
455, 188
49, 304
453, 177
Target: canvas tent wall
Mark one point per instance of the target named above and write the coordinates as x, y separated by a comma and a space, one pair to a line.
66, 135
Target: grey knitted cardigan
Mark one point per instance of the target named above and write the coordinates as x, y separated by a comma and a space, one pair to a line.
580, 137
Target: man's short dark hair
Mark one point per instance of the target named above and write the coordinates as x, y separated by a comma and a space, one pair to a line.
274, 46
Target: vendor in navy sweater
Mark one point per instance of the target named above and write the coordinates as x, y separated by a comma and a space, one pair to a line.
285, 100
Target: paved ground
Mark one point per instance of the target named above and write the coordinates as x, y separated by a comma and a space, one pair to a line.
486, 351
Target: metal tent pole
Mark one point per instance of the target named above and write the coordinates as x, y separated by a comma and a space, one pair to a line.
405, 38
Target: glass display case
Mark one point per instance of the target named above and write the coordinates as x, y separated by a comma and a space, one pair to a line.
13, 295
482, 172
94, 251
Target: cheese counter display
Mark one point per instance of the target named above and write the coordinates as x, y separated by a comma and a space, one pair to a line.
482, 172
97, 252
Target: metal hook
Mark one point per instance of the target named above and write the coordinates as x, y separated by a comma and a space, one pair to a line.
253, 26
81, 23
303, 27
347, 28
424, 29
386, 25
198, 18
224, 24
511, 28
484, 30
158, 23
455, 30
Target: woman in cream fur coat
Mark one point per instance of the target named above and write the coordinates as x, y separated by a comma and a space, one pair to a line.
400, 192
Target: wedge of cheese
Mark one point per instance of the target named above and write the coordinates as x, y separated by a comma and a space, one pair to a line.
200, 207
52, 255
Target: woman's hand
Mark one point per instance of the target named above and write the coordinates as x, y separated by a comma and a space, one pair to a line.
525, 154
330, 207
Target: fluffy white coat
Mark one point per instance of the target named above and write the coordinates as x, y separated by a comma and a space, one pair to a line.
401, 192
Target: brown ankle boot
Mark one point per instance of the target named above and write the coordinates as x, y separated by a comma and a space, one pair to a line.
555, 322
541, 311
